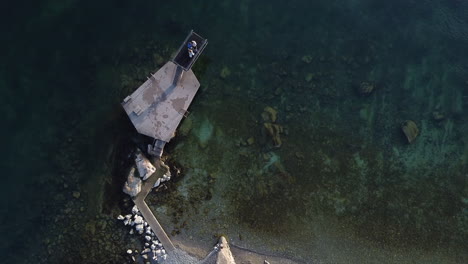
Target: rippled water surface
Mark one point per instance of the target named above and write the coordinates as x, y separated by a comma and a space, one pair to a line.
294, 145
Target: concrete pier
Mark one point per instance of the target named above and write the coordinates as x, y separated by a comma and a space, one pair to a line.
148, 215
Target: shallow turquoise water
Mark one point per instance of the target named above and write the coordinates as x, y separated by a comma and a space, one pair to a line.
66, 65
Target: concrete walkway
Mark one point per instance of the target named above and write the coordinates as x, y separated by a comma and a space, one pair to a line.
149, 217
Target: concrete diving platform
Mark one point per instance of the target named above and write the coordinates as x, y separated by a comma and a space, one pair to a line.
158, 105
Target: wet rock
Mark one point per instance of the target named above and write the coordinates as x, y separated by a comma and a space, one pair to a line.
274, 131
269, 114
410, 130
76, 194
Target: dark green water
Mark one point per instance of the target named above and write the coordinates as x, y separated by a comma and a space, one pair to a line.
66, 65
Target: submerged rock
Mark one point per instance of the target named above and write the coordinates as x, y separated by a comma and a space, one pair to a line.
438, 116
410, 129
76, 194
204, 133
366, 88
225, 72
269, 114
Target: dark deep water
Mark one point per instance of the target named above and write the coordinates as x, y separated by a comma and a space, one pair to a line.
66, 66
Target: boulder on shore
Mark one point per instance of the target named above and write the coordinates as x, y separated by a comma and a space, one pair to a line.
133, 184
144, 166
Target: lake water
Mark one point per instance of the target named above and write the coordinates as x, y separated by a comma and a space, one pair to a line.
335, 81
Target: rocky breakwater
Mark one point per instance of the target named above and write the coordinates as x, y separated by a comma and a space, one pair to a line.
153, 250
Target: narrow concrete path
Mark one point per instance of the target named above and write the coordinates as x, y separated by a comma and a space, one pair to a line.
148, 215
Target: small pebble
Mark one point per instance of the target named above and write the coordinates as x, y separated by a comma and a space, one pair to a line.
129, 251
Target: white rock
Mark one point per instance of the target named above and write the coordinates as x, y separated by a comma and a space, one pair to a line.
139, 220
144, 256
144, 166
145, 224
164, 257
147, 250
139, 227
163, 251
146, 244
120, 217
129, 251
131, 232
126, 222
148, 238
130, 222
158, 252
135, 209
128, 216
133, 184
153, 246
157, 183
